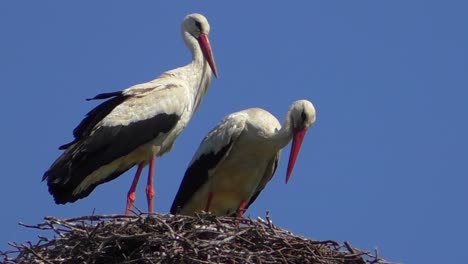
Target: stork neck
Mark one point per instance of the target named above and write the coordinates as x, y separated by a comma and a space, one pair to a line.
282, 137
198, 59
199, 70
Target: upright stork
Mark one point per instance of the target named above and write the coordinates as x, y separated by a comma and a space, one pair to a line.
134, 125
237, 159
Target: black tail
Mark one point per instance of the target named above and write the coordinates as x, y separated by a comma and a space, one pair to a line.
70, 170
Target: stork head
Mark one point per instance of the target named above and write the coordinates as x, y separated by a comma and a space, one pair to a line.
302, 116
198, 27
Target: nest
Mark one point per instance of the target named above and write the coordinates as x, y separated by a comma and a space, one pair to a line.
177, 239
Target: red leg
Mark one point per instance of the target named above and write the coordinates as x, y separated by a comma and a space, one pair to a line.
208, 202
149, 186
241, 212
242, 208
131, 193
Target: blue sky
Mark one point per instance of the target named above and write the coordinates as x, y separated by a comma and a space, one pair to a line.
384, 166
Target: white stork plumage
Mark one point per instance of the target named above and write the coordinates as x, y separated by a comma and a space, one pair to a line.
238, 157
134, 125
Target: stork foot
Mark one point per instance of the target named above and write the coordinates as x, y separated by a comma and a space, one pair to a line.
131, 196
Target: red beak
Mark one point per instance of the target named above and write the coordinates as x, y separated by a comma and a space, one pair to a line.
206, 49
295, 147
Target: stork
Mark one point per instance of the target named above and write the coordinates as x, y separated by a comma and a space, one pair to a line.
134, 125
238, 157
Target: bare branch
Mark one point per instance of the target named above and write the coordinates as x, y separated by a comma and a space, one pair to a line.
156, 238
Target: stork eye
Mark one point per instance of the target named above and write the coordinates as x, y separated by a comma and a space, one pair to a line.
303, 116
198, 24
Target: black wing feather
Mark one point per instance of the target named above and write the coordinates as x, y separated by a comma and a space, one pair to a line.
195, 176
255, 195
105, 95
95, 115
